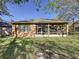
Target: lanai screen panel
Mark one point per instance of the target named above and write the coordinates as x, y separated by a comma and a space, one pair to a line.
41, 28
51, 28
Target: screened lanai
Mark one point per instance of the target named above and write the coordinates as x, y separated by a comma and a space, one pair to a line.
50, 29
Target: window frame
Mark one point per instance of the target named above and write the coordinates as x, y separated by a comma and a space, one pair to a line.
24, 28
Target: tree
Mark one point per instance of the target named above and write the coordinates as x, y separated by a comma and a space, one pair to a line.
69, 9
3, 7
65, 8
4, 10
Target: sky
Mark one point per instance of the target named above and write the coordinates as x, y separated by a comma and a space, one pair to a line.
27, 11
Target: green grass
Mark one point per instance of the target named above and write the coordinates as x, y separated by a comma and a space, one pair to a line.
26, 48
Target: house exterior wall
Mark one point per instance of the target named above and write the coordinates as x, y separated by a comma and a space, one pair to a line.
32, 31
76, 25
72, 28
17, 33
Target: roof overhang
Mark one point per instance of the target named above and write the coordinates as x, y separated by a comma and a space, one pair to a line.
43, 21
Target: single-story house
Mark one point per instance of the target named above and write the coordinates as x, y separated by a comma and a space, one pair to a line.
5, 28
40, 28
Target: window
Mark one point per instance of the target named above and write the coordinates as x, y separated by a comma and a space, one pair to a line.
24, 28
76, 28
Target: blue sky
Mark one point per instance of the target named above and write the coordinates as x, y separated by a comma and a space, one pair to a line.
27, 11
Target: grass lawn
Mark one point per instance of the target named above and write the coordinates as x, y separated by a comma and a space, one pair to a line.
27, 48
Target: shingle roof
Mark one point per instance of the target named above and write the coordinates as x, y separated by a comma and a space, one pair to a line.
42, 21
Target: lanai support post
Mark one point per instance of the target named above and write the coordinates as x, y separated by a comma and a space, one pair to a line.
67, 29
48, 29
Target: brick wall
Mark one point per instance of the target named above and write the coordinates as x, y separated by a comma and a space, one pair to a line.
30, 33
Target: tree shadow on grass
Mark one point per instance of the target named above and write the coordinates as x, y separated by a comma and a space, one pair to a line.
14, 51
9, 53
51, 50
58, 52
